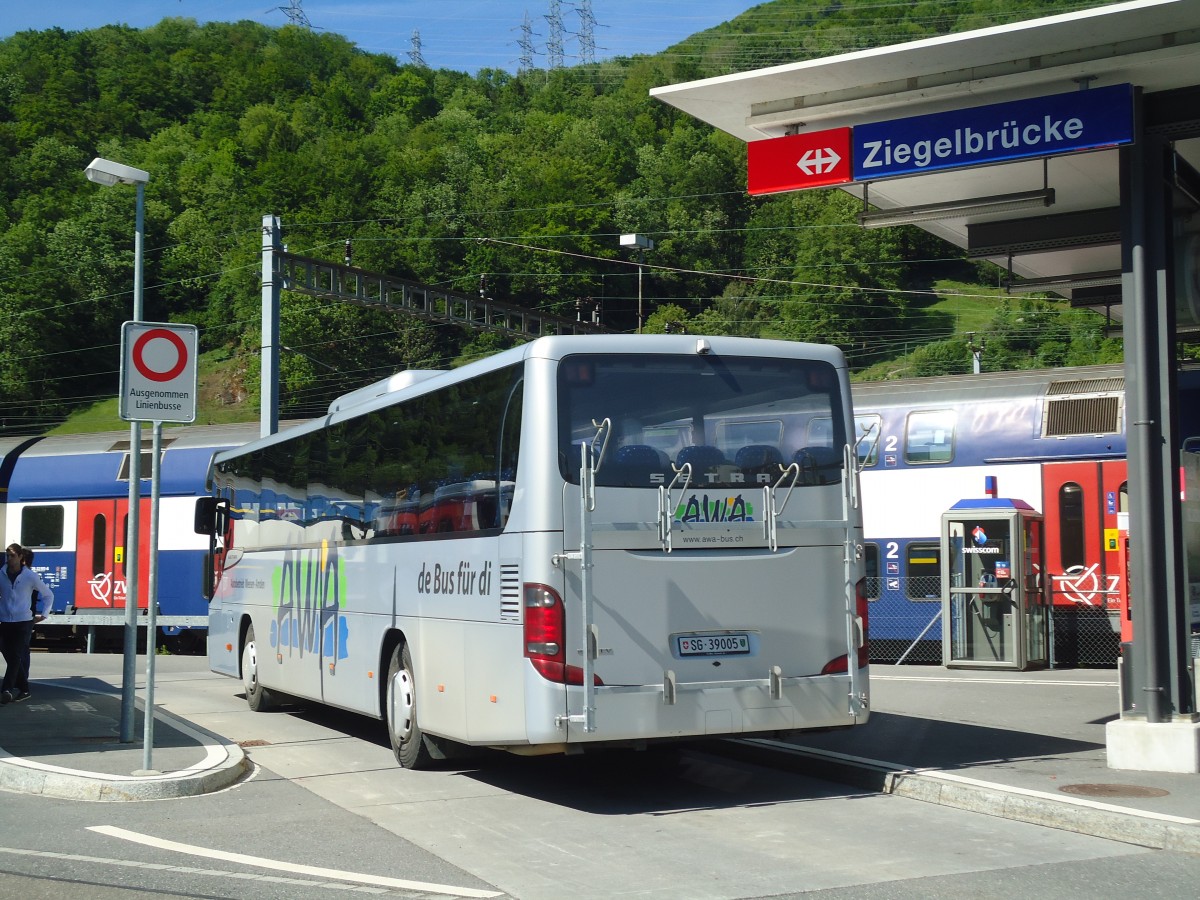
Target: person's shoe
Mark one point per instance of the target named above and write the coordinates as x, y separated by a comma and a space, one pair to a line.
20, 695
6, 697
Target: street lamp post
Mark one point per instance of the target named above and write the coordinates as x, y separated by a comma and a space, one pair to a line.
106, 172
643, 244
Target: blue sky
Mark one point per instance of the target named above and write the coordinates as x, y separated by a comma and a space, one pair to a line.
466, 35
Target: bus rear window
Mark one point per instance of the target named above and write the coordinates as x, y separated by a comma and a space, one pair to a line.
737, 420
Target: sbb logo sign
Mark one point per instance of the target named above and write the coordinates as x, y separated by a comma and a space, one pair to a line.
158, 372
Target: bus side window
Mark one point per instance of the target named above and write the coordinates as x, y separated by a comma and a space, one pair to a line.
510, 445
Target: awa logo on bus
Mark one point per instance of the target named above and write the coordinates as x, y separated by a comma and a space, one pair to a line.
309, 590
700, 510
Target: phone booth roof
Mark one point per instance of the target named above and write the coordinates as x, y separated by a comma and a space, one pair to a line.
993, 503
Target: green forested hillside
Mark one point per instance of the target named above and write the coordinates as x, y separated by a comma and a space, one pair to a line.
418, 168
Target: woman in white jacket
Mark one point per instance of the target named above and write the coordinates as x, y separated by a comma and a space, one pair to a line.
17, 618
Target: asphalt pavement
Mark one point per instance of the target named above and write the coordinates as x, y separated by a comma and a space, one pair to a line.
1027, 746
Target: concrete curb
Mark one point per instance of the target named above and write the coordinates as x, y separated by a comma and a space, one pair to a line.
223, 765
1103, 820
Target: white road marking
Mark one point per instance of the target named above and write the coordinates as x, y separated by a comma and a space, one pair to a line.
189, 870
969, 681
297, 868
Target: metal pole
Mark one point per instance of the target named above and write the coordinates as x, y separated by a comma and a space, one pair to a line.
641, 259
1159, 688
269, 364
976, 352
152, 602
129, 661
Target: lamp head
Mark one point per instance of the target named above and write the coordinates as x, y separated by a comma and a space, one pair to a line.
106, 172
640, 241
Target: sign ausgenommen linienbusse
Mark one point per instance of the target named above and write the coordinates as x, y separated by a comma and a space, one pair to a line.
158, 372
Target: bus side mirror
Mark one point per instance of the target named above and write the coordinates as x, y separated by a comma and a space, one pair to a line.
210, 518
205, 521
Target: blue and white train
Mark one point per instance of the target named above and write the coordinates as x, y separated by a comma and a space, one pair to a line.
66, 497
1053, 438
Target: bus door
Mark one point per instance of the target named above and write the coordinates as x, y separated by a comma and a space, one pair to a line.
100, 554
1081, 502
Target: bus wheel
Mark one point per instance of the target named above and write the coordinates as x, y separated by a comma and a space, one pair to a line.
408, 743
258, 697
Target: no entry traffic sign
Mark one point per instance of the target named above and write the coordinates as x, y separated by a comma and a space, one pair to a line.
158, 372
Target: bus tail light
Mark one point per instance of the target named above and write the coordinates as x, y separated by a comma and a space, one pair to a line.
863, 654
544, 631
545, 636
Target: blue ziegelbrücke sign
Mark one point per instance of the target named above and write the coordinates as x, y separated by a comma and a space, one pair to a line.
1041, 126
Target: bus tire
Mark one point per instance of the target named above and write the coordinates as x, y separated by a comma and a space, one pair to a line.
408, 742
258, 698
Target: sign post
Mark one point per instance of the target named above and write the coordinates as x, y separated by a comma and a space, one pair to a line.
158, 384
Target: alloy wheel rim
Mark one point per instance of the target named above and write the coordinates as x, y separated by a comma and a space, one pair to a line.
400, 704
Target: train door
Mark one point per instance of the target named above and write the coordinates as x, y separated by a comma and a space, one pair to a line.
100, 554
1082, 500
1083, 556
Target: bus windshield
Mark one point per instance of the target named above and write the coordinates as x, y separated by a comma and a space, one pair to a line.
737, 420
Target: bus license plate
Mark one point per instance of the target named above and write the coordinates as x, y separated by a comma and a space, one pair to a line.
712, 644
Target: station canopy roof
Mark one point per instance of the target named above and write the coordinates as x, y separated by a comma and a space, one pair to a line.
1151, 44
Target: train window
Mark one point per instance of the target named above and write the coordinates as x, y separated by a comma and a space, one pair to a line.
924, 580
1070, 525
99, 544
929, 436
871, 558
42, 527
1123, 497
867, 429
